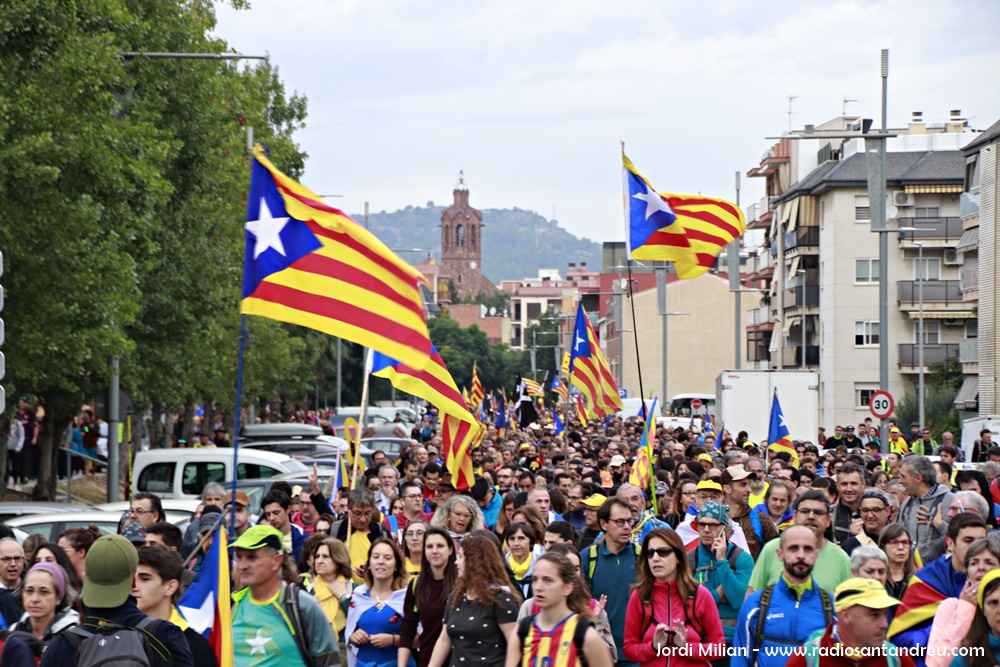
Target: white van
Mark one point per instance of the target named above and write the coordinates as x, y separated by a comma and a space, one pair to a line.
374, 414
183, 473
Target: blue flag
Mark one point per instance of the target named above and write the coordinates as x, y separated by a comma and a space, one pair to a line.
501, 413
556, 423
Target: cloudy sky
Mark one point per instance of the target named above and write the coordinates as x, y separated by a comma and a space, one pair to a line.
531, 99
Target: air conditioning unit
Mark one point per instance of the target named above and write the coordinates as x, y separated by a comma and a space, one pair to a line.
900, 199
952, 257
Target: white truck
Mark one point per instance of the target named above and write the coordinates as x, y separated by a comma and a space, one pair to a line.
971, 429
743, 402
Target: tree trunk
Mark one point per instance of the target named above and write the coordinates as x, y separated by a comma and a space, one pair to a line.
208, 418
156, 426
3, 461
189, 423
53, 425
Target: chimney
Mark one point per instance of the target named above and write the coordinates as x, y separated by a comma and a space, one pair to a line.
917, 125
583, 266
956, 123
572, 267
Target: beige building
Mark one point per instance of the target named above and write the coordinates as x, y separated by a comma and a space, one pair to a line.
701, 336
824, 269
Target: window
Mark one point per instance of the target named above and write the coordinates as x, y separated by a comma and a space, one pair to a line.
863, 394
972, 173
534, 311
865, 334
928, 268
927, 212
255, 471
197, 475
932, 332
866, 270
157, 478
460, 236
972, 328
822, 214
862, 213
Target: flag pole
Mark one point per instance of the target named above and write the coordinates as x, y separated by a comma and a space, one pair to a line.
239, 376
357, 443
635, 329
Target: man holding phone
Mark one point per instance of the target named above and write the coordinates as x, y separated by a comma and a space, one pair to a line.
720, 566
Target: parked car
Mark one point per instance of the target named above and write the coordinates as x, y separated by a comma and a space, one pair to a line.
392, 447
175, 509
15, 509
50, 525
279, 432
183, 473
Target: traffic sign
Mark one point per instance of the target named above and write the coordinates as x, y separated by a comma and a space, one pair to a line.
881, 404
696, 404
623, 393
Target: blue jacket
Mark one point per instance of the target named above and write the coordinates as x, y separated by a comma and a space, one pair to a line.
788, 624
492, 510
61, 652
299, 538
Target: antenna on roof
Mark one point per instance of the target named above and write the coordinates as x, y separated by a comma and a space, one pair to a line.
790, 98
847, 101
461, 181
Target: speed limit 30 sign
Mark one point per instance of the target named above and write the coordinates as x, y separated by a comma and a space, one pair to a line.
881, 404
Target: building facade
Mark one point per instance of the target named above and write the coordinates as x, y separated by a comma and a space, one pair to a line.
461, 246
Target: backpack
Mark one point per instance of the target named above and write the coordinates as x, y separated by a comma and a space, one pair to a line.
290, 605
592, 559
758, 529
693, 561
765, 604
113, 645
582, 625
692, 598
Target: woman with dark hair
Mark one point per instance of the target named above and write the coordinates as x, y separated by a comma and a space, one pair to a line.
305, 564
426, 597
683, 498
53, 553
532, 516
669, 613
504, 518
376, 611
332, 582
31, 544
898, 548
879, 479
562, 604
558, 500
520, 539
413, 546
974, 480
48, 613
481, 618
559, 532
983, 638
76, 543
323, 524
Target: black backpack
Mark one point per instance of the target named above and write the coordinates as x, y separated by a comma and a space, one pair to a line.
112, 645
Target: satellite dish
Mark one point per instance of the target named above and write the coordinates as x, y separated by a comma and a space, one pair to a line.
482, 311
493, 311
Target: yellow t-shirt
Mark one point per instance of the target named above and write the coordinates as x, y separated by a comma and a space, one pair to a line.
413, 569
360, 544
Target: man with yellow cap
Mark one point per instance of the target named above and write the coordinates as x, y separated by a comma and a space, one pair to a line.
857, 637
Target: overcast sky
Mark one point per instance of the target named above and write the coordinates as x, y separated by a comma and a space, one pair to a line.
531, 99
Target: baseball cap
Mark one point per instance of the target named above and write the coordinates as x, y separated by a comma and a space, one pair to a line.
207, 521
134, 532
241, 498
738, 472
708, 485
597, 500
705, 457
617, 460
259, 536
865, 592
109, 571
296, 490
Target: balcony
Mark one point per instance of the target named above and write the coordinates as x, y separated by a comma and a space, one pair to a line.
968, 204
760, 319
909, 354
938, 295
968, 355
946, 230
799, 296
802, 241
792, 357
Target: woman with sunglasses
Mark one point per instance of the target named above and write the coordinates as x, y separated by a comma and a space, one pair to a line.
670, 616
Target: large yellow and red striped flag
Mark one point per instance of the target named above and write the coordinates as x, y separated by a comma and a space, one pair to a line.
309, 264
460, 430
689, 230
642, 469
564, 367
534, 388
477, 393
589, 369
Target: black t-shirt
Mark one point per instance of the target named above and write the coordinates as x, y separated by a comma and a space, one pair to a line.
474, 631
201, 650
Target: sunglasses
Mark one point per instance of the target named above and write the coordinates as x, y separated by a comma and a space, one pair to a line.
662, 552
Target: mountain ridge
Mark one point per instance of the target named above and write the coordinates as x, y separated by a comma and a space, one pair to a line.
541, 243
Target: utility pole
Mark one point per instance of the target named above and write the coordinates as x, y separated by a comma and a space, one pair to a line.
113, 419
733, 266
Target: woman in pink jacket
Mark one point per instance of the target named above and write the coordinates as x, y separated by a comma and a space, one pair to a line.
670, 619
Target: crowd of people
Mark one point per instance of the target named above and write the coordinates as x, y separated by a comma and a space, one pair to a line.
732, 555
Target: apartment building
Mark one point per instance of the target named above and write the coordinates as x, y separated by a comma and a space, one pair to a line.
820, 262
978, 274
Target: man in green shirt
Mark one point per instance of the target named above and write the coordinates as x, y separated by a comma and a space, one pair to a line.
270, 627
833, 566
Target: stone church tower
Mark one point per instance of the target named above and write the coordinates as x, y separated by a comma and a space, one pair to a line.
461, 245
